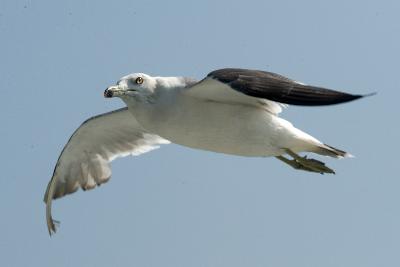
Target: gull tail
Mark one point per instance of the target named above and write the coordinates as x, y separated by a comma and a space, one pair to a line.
330, 151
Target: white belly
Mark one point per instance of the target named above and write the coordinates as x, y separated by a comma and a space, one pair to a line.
225, 128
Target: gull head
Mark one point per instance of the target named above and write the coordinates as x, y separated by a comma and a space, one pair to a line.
136, 85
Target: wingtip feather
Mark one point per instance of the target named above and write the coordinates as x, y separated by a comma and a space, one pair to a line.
369, 94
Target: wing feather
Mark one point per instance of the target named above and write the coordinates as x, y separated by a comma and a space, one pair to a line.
268, 90
84, 161
275, 87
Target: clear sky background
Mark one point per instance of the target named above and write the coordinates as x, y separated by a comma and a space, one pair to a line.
182, 207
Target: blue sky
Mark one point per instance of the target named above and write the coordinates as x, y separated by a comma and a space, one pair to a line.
182, 207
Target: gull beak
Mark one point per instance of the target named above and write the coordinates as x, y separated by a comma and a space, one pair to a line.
113, 91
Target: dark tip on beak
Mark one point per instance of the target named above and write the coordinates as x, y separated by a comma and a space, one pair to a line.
108, 93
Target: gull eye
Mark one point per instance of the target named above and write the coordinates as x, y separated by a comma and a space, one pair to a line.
139, 80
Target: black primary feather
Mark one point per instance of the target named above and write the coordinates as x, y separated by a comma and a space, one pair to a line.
275, 87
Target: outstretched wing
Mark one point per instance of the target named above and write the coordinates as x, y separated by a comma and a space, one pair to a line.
264, 85
84, 161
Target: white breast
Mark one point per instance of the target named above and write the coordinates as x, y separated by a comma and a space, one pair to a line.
214, 126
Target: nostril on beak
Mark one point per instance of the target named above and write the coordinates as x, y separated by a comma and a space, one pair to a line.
108, 93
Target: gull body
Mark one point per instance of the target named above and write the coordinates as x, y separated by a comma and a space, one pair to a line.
230, 128
231, 111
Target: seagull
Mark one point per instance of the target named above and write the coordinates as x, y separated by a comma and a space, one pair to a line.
232, 111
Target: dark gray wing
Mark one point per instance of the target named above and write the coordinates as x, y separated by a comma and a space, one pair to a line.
275, 87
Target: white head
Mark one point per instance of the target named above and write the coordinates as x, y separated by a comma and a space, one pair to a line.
139, 86
144, 88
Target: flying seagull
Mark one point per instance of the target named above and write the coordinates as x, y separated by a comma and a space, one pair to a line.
231, 111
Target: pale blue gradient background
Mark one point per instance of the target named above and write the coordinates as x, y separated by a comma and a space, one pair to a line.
182, 207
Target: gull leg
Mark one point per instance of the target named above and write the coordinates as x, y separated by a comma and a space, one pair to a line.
315, 165
305, 164
295, 164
